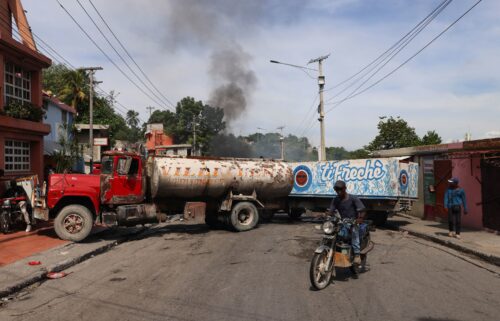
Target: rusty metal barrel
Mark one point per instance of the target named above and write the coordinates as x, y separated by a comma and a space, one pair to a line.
195, 178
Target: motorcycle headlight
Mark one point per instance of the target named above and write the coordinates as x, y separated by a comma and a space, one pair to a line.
6, 203
328, 227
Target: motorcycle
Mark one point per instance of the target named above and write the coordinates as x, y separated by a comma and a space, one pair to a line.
11, 213
335, 250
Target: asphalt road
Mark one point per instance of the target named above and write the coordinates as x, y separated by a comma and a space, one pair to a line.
192, 273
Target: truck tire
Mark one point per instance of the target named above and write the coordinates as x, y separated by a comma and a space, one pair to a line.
244, 216
296, 213
73, 223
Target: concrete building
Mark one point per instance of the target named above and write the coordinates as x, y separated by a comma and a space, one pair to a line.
101, 142
21, 134
60, 118
475, 163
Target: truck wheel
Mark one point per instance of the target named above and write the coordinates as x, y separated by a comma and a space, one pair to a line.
244, 216
73, 223
266, 215
296, 213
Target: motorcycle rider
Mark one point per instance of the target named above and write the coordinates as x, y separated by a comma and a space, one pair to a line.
349, 206
18, 191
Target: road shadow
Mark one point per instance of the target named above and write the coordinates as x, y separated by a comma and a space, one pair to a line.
147, 231
435, 319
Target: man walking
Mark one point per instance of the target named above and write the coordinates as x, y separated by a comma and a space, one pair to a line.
454, 200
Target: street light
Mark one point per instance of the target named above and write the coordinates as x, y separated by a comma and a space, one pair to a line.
321, 84
291, 65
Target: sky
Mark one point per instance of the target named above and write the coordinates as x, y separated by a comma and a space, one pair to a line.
200, 48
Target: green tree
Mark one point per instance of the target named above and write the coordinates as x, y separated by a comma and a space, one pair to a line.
54, 78
337, 153
431, 138
393, 133
75, 90
133, 122
72, 88
359, 153
191, 114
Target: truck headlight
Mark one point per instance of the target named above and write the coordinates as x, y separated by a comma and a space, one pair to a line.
328, 227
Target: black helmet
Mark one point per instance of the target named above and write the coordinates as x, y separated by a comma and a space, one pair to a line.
339, 185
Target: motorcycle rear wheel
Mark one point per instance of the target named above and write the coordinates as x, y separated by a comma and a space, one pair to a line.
320, 279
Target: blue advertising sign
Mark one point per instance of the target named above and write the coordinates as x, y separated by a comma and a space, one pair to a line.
368, 178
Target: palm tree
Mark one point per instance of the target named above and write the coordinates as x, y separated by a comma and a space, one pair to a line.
75, 88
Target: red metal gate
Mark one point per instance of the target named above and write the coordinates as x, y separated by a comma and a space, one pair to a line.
490, 177
442, 173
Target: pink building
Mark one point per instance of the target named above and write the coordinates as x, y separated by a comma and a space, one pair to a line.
475, 163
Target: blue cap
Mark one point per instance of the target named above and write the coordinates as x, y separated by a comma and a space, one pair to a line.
453, 180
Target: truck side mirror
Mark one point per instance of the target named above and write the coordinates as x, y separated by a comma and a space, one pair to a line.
124, 165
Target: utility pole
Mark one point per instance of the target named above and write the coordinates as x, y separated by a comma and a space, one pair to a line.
150, 108
194, 135
282, 142
91, 71
321, 109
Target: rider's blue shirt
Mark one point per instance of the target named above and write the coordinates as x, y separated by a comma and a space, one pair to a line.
349, 207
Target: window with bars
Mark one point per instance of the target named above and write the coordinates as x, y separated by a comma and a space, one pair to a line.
17, 84
17, 156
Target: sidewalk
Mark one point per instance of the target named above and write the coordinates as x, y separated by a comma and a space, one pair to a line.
482, 244
17, 249
19, 244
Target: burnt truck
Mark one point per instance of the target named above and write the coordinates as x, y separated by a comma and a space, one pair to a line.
133, 190
385, 185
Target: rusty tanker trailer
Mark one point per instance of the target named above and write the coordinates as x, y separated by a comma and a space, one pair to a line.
216, 191
231, 191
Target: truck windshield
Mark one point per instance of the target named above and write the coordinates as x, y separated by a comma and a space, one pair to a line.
107, 165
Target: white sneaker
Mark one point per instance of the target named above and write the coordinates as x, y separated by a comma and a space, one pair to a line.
458, 236
28, 228
451, 234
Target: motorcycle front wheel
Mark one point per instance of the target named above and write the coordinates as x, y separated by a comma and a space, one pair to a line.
320, 278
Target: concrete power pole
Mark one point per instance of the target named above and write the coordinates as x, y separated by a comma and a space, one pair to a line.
321, 110
194, 135
91, 113
282, 142
150, 108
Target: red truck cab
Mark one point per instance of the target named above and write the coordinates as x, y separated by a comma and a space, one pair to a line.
122, 178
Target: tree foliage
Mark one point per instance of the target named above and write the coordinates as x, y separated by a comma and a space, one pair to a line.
191, 115
431, 138
72, 88
393, 133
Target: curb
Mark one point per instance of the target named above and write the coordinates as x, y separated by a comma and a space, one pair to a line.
63, 265
486, 257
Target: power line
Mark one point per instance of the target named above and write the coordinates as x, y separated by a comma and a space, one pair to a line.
67, 63
392, 55
119, 55
128, 54
106, 55
306, 116
396, 48
384, 53
407, 60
